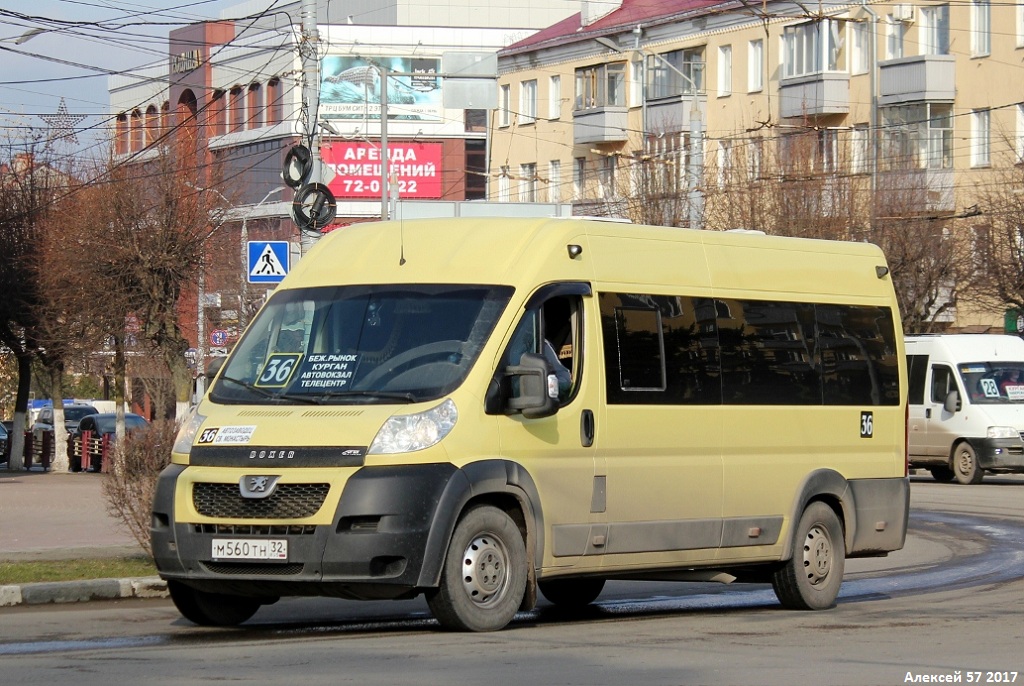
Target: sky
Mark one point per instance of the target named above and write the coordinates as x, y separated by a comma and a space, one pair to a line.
82, 42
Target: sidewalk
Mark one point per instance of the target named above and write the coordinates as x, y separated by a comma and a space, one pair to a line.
63, 517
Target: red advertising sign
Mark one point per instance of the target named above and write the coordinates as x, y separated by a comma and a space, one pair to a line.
357, 166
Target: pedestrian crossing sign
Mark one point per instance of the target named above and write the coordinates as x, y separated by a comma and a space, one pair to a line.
268, 261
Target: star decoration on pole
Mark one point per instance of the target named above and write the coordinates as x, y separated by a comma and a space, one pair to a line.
62, 124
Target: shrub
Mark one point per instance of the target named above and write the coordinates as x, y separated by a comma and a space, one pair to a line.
131, 484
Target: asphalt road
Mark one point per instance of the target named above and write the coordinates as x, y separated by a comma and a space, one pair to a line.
949, 604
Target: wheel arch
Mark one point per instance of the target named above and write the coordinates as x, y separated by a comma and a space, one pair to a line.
501, 483
831, 488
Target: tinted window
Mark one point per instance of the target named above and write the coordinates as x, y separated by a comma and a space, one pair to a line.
680, 350
74, 414
942, 383
917, 370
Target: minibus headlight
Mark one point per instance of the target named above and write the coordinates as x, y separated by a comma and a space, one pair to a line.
1003, 432
187, 433
411, 432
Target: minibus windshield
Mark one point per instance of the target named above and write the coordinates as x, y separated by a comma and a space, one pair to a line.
993, 383
361, 344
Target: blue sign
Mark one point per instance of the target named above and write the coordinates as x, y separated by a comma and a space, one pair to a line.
268, 261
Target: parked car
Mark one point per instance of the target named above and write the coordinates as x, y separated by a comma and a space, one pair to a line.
99, 425
72, 415
3, 443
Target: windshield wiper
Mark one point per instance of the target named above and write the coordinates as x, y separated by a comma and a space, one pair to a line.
270, 394
387, 395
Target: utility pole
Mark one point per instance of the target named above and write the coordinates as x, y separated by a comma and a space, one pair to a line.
310, 98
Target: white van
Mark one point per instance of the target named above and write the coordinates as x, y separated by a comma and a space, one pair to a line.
484, 410
966, 405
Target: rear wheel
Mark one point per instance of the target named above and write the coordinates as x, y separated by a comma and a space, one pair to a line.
810, 580
943, 474
484, 575
965, 464
211, 609
571, 593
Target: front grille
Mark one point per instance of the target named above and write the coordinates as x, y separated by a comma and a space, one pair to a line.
289, 569
255, 529
289, 501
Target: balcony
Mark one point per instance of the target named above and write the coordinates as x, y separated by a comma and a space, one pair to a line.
922, 78
600, 125
673, 114
814, 95
917, 191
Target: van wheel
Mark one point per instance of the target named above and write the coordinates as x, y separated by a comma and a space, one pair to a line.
484, 575
943, 474
810, 579
211, 609
571, 593
965, 465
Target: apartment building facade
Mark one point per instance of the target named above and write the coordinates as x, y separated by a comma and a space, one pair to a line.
917, 106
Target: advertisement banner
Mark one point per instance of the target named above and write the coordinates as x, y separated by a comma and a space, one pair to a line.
350, 88
357, 168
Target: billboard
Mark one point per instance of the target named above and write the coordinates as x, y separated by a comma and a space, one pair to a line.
357, 168
350, 88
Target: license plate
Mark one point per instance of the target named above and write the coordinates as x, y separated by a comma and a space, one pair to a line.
273, 549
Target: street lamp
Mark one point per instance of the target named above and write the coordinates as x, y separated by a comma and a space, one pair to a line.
696, 163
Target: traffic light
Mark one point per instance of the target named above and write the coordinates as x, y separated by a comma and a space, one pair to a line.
314, 206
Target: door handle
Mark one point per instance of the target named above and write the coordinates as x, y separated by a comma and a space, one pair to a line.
928, 413
587, 428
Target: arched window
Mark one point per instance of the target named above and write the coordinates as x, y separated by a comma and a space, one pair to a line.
152, 125
275, 104
122, 135
137, 134
255, 106
218, 113
237, 109
165, 117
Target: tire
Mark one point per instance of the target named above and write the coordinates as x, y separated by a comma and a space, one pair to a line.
965, 464
211, 609
943, 474
571, 593
483, 579
810, 580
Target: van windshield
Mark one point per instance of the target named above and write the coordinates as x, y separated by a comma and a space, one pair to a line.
993, 383
361, 344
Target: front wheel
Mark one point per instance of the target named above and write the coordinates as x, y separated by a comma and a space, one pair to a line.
484, 575
810, 579
965, 465
211, 609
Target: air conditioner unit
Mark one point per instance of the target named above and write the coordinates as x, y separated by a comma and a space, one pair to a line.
903, 13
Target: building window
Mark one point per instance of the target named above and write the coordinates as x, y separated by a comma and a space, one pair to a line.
607, 178
811, 48
579, 178
980, 141
934, 30
636, 83
554, 181
828, 150
724, 162
122, 134
1020, 24
981, 28
860, 151
528, 183
504, 186
275, 106
505, 106
895, 34
687, 78
918, 136
555, 97
860, 39
603, 85
255, 105
218, 113
528, 102
755, 65
724, 71
137, 132
152, 125
1020, 134
237, 106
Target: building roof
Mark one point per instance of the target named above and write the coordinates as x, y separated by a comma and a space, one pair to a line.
629, 14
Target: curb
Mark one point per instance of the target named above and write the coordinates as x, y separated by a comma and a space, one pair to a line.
82, 591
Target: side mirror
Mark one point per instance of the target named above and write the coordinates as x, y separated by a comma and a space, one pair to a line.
952, 403
213, 368
538, 387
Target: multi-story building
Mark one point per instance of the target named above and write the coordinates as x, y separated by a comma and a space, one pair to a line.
676, 111
234, 89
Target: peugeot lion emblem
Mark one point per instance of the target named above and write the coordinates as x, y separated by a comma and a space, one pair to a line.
257, 486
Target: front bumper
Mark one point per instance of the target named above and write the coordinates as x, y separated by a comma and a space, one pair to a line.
1000, 454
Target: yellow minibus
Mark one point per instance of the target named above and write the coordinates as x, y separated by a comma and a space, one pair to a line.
481, 410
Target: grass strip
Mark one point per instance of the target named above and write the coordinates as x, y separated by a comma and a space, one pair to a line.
16, 573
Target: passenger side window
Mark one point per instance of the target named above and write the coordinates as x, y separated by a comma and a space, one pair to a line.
917, 369
942, 383
552, 330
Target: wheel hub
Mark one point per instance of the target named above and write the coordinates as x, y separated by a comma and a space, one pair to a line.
485, 569
817, 554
